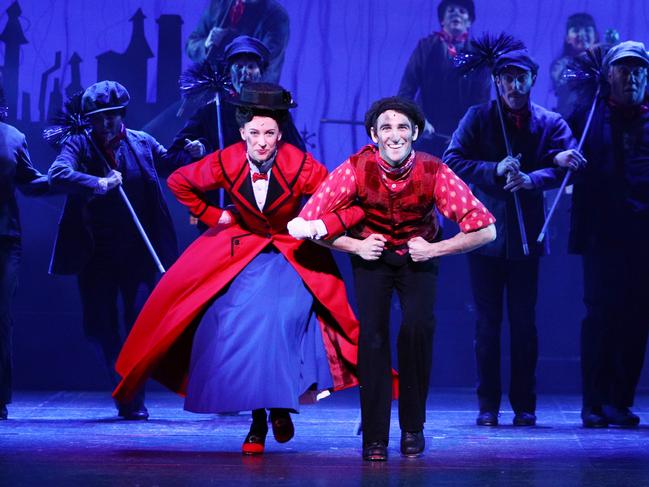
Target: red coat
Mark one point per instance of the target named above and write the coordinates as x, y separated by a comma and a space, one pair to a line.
159, 344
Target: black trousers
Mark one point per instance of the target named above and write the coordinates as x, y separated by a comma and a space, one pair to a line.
415, 284
9, 260
114, 271
490, 277
614, 330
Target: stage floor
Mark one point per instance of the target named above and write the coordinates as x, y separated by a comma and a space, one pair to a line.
74, 438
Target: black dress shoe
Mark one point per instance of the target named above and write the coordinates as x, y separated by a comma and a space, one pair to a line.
593, 418
3, 411
487, 418
283, 429
524, 419
412, 443
130, 412
620, 416
375, 451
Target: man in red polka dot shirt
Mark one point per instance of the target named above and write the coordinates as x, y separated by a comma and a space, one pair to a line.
395, 247
542, 142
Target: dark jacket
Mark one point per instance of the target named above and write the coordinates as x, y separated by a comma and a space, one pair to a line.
610, 201
16, 171
76, 170
203, 126
267, 21
431, 78
475, 150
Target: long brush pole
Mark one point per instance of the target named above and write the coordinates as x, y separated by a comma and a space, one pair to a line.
508, 147
564, 183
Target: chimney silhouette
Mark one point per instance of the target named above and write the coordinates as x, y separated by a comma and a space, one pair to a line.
75, 75
136, 56
169, 58
13, 37
56, 100
130, 69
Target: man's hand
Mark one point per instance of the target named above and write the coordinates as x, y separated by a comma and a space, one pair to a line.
215, 36
571, 159
371, 247
508, 165
112, 180
421, 250
518, 180
195, 148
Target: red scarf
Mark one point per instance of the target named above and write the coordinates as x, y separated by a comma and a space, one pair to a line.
394, 178
236, 12
452, 42
628, 111
519, 117
110, 147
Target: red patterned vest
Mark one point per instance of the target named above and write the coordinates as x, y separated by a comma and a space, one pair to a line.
397, 216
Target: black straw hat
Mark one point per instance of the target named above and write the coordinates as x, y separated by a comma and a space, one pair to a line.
264, 96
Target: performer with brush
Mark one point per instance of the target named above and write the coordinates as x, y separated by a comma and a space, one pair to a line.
481, 154
610, 230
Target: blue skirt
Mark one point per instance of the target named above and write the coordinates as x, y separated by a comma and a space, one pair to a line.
259, 344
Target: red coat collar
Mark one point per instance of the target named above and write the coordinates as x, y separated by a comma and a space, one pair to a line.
286, 169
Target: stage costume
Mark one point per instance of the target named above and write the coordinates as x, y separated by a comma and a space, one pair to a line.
474, 153
436, 84
16, 172
97, 239
265, 20
211, 285
399, 203
610, 230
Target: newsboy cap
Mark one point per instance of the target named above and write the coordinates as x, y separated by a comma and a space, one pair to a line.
104, 96
247, 45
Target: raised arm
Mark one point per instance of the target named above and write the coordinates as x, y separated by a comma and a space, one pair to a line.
457, 203
189, 184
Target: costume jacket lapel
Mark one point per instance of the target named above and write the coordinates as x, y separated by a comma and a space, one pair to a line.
283, 176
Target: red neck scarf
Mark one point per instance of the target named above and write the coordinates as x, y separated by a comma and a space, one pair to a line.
108, 148
395, 177
628, 111
452, 42
519, 117
236, 12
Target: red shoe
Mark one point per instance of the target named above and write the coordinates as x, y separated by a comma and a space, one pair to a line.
283, 429
253, 444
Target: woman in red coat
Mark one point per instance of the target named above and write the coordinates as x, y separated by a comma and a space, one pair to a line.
248, 318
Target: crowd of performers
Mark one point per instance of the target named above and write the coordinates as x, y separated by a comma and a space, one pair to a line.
254, 315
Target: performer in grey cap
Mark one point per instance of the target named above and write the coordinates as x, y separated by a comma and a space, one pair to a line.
97, 239
223, 20
246, 60
610, 230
